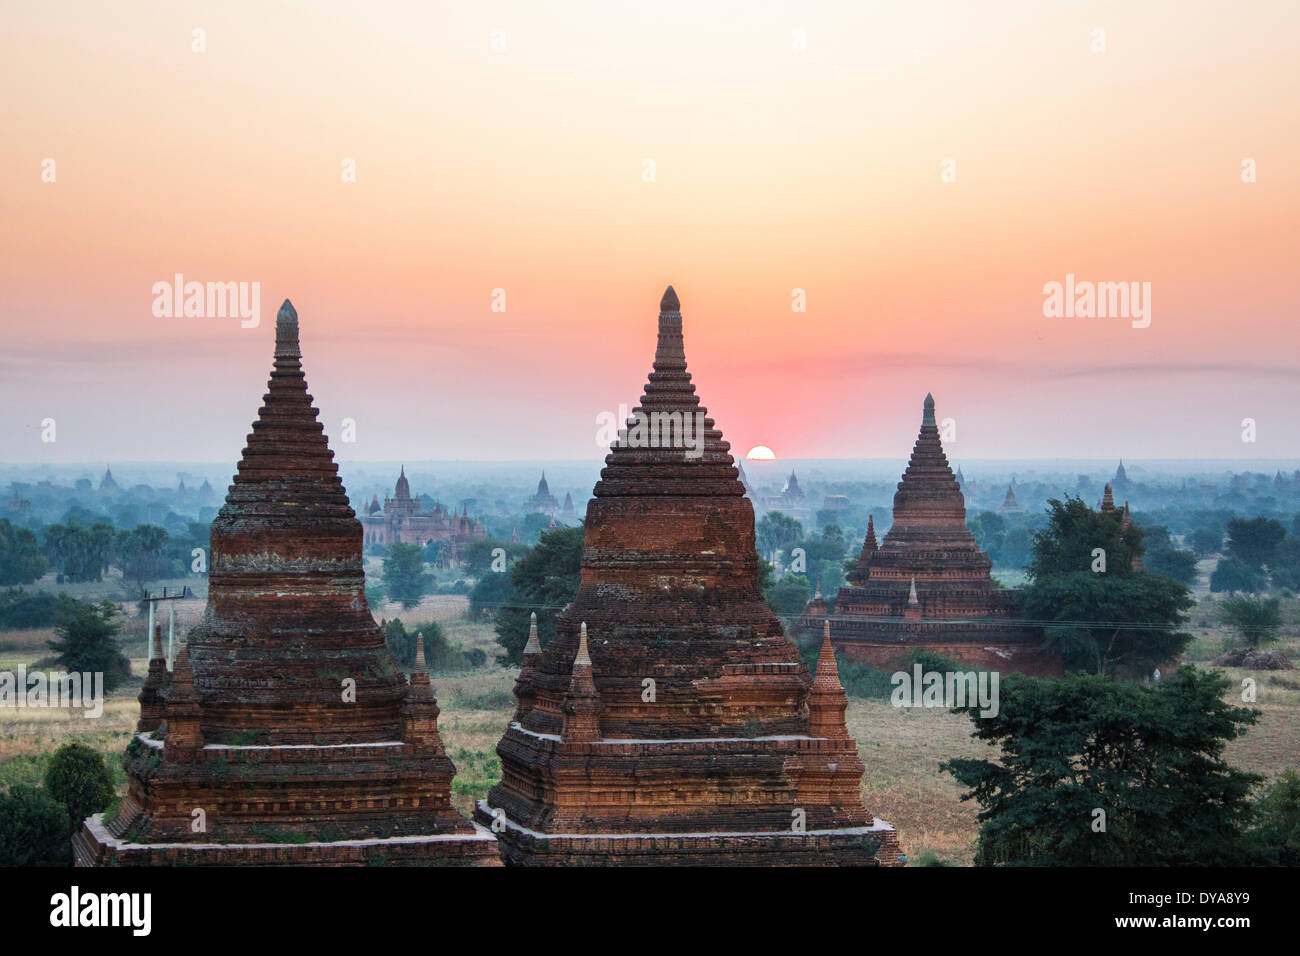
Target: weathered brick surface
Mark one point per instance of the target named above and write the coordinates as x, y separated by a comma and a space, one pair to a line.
928, 586
715, 765
256, 730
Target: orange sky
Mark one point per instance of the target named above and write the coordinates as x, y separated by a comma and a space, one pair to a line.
522, 169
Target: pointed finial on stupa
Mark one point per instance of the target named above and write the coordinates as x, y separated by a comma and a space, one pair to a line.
911, 595
1108, 499
420, 666
534, 646
928, 417
819, 588
828, 671
583, 657
286, 331
670, 351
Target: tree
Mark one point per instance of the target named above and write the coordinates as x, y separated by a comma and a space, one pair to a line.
85, 640
1205, 541
1149, 757
777, 532
1072, 536
404, 577
1119, 627
544, 580
1105, 617
33, 829
1254, 541
21, 560
1275, 838
490, 591
78, 778
1172, 563
80, 552
1234, 574
788, 596
1256, 620
142, 553
439, 655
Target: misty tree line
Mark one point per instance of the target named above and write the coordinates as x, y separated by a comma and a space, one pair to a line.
81, 551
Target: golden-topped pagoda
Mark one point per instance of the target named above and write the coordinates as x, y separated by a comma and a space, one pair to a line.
671, 721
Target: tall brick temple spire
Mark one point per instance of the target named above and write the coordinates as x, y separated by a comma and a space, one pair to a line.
286, 712
702, 746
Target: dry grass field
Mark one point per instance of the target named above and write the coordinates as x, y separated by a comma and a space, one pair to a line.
902, 748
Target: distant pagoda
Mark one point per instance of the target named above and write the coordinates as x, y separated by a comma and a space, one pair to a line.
1009, 504
928, 585
670, 721
285, 733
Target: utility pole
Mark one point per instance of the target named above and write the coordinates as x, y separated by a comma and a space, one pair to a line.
171, 614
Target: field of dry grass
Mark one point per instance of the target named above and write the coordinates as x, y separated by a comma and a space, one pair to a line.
902, 748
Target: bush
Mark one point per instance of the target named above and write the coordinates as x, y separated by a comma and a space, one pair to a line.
439, 655
1275, 838
20, 609
1256, 620
79, 779
33, 829
86, 640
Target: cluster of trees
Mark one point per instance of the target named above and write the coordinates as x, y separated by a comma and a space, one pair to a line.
1259, 554
440, 655
542, 581
1009, 543
86, 639
808, 558
1098, 773
36, 823
1104, 617
85, 550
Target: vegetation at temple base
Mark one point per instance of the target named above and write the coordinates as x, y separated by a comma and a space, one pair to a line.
1256, 620
1105, 618
405, 580
544, 580
85, 640
33, 829
21, 560
78, 778
1150, 758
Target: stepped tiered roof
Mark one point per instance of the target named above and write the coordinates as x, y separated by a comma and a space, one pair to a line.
927, 584
285, 713
669, 719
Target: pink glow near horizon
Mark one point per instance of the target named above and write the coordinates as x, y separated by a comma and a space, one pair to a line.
522, 169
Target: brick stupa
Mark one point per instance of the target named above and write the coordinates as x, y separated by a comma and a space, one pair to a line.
928, 585
285, 733
670, 721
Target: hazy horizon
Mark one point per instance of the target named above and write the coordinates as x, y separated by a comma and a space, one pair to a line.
792, 150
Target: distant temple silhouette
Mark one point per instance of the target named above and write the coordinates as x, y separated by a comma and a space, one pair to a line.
927, 585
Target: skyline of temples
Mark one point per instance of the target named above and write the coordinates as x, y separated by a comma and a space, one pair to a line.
670, 720
928, 585
285, 732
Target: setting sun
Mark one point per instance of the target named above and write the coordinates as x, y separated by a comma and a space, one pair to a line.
761, 453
